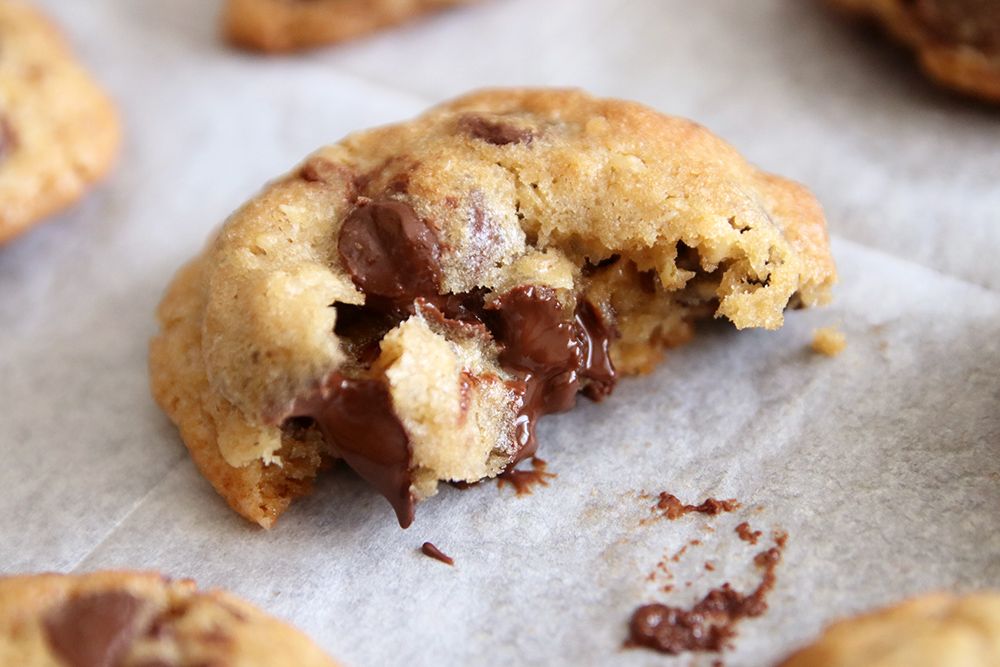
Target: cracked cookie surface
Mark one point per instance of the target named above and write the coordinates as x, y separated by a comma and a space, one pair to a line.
139, 619
59, 133
956, 41
413, 298
939, 630
289, 25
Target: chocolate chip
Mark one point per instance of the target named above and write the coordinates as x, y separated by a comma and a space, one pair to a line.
537, 336
495, 132
389, 251
95, 629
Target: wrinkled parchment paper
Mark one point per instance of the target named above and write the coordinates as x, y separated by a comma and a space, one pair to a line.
883, 464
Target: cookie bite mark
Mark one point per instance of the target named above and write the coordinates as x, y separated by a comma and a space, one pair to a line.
495, 131
95, 629
389, 251
357, 419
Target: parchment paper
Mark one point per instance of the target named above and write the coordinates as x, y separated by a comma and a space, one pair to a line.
883, 465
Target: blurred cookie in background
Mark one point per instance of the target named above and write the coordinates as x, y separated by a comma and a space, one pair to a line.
140, 619
59, 132
938, 630
956, 41
280, 25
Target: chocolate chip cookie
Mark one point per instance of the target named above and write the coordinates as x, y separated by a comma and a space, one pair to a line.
957, 41
58, 131
414, 298
938, 630
288, 25
139, 619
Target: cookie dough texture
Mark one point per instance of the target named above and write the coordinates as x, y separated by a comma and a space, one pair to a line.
288, 25
59, 133
535, 205
139, 619
939, 630
956, 41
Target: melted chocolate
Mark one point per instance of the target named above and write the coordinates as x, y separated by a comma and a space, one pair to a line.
524, 481
393, 256
432, 551
95, 629
669, 506
495, 132
711, 622
389, 251
356, 417
555, 355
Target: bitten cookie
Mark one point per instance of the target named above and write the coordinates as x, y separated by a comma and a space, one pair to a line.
938, 630
280, 25
139, 619
412, 299
957, 41
58, 132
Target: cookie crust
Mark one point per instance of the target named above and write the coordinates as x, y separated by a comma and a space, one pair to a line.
550, 199
283, 25
957, 42
139, 618
937, 630
59, 133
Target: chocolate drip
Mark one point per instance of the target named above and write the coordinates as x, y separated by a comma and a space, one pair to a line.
524, 481
356, 417
432, 551
555, 355
94, 629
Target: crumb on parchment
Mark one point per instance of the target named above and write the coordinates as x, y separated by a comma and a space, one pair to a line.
828, 341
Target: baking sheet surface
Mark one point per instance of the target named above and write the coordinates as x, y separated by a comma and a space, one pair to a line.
882, 465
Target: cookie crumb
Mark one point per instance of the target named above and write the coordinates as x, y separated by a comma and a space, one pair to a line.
828, 341
432, 551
